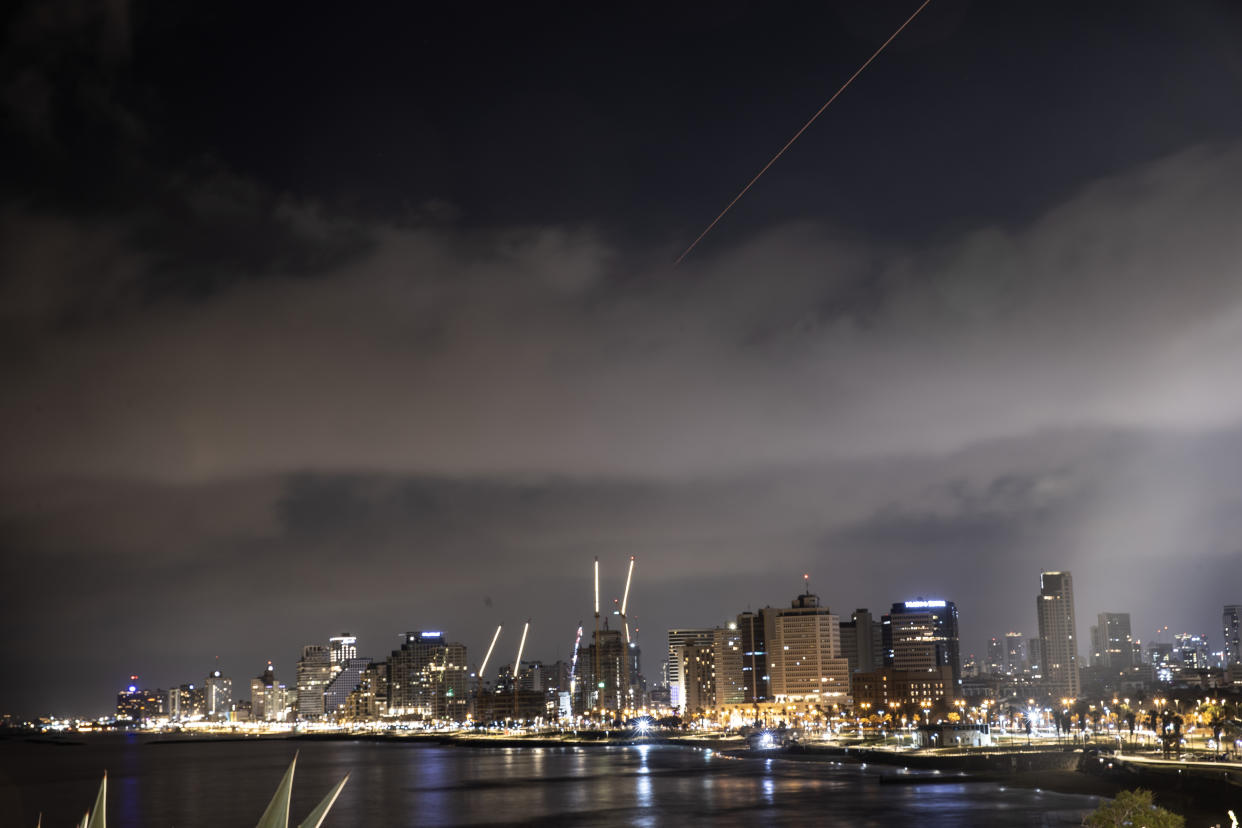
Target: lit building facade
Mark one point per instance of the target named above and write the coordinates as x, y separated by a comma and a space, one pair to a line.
348, 676
751, 628
341, 648
1231, 624
427, 678
678, 640
898, 691
698, 672
804, 656
922, 635
218, 694
730, 685
314, 673
1058, 634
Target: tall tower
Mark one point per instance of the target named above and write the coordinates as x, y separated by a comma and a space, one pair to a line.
1058, 634
1116, 646
1230, 618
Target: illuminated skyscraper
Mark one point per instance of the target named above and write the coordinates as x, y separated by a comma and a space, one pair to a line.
1231, 621
218, 692
427, 678
752, 628
727, 659
922, 635
678, 640
341, 648
804, 654
1058, 636
314, 673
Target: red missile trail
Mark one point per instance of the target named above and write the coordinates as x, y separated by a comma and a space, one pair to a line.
836, 95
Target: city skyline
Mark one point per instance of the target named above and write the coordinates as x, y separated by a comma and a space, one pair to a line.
920, 612
315, 321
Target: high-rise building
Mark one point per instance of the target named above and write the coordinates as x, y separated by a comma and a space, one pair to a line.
730, 687
370, 700
678, 640
1191, 651
1231, 622
751, 628
1058, 635
347, 678
862, 641
427, 678
218, 694
922, 635
314, 673
138, 706
608, 690
996, 656
1115, 647
260, 687
804, 654
1015, 654
342, 648
698, 677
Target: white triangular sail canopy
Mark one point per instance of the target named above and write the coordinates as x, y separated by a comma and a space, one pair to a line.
277, 813
316, 817
99, 814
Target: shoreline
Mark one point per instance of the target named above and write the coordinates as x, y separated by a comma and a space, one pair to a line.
1199, 801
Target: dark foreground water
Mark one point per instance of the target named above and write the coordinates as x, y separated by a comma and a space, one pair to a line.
229, 783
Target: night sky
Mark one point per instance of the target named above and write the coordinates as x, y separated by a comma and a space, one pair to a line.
319, 318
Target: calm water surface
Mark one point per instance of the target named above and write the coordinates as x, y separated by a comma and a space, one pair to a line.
229, 783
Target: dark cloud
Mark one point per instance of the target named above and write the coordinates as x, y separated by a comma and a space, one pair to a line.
313, 337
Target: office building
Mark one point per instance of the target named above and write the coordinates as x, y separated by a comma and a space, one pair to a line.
751, 630
1058, 635
922, 635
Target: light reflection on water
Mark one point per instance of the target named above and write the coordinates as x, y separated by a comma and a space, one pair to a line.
407, 784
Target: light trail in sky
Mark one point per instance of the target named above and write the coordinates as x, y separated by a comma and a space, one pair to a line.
835, 95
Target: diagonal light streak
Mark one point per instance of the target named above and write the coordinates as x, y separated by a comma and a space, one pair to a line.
836, 95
